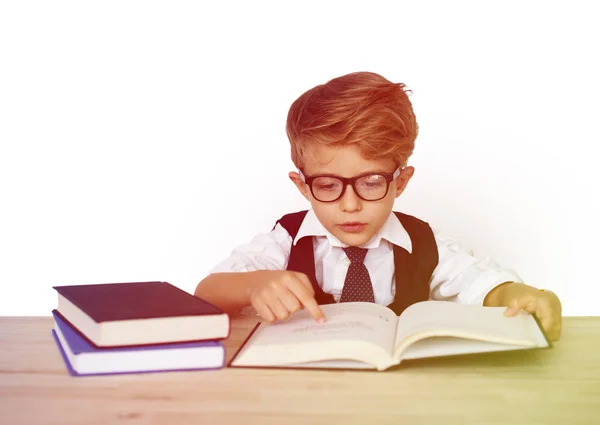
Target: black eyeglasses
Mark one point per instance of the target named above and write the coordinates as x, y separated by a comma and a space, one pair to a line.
368, 186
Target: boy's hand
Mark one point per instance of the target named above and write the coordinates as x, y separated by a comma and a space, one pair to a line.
283, 293
545, 305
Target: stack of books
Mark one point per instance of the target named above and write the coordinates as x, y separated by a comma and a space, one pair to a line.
137, 327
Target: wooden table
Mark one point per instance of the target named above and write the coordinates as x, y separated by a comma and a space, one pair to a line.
560, 385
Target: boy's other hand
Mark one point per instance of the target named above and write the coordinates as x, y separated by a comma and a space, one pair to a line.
545, 305
282, 293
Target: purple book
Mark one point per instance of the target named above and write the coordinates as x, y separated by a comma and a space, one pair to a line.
83, 358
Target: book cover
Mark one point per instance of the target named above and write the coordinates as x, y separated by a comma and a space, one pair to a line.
140, 313
135, 300
201, 355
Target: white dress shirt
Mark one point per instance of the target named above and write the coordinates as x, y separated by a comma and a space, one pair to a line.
458, 276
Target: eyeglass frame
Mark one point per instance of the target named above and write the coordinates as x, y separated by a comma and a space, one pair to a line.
346, 181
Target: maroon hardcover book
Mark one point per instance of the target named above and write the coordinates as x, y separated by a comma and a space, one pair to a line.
135, 300
132, 313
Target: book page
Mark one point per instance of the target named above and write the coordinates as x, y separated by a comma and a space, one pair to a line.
450, 346
333, 364
352, 331
366, 321
443, 318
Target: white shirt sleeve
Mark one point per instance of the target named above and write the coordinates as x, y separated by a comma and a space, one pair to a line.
463, 278
266, 251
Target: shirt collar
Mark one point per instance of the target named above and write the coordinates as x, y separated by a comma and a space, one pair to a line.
392, 231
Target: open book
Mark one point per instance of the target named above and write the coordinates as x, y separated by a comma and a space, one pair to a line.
370, 336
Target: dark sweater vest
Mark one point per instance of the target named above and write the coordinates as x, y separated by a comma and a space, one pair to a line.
412, 271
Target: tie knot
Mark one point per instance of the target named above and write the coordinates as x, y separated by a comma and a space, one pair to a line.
356, 254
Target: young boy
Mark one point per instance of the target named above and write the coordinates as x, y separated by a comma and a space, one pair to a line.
350, 140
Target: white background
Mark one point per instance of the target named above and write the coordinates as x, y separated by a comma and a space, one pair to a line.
145, 140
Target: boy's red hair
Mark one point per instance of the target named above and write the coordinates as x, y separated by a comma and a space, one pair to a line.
362, 108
